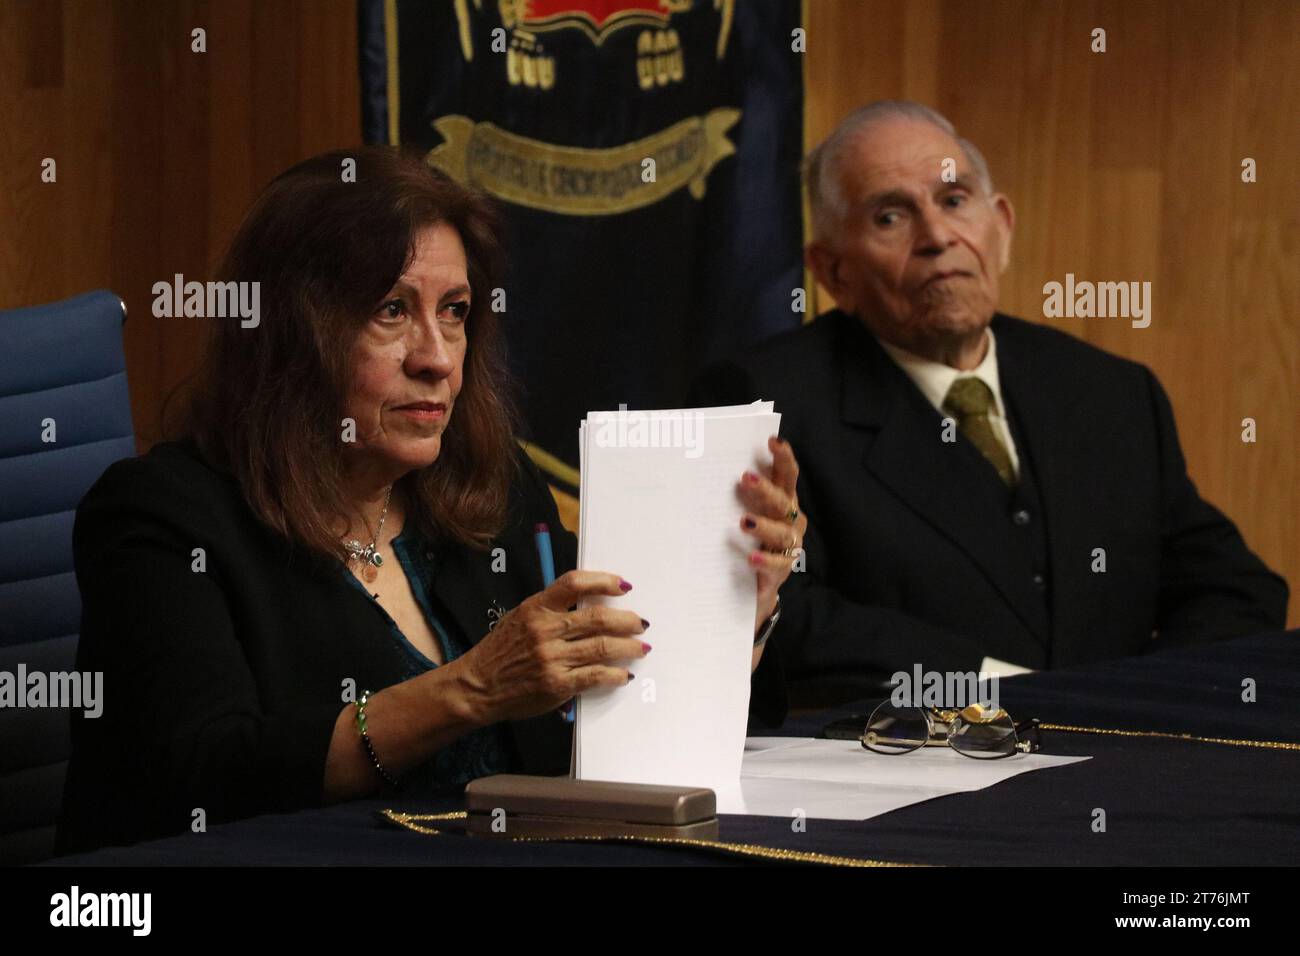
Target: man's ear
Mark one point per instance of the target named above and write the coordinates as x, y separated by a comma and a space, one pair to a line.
825, 266
1005, 214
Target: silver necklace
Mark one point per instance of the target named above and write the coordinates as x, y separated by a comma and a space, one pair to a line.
369, 556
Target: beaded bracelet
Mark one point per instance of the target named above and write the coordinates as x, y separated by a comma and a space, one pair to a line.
365, 740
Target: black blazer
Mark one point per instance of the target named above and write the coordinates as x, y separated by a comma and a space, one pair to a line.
907, 559
222, 687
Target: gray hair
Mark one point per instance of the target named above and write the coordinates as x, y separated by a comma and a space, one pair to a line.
821, 168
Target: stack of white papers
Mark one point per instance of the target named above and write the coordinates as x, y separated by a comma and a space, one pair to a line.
659, 507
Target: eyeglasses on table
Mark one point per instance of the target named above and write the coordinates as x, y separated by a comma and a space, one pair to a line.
978, 731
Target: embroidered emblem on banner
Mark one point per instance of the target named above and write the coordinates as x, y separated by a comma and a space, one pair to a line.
574, 180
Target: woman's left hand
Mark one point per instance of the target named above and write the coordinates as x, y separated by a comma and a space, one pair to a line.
774, 519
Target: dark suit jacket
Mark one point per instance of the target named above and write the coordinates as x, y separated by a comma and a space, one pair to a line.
909, 557
222, 687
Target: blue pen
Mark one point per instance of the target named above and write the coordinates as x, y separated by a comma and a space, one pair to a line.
546, 557
542, 535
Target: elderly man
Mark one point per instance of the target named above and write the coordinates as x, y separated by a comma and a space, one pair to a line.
982, 491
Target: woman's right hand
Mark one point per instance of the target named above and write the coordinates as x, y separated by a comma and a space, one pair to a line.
541, 653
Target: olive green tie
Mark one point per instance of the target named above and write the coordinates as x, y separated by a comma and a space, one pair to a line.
969, 402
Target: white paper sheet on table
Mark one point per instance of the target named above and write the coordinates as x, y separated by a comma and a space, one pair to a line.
669, 523
840, 780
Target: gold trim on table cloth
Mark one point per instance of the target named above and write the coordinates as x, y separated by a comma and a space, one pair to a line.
1228, 741
414, 821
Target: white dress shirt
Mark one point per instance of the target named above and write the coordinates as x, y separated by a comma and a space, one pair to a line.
934, 379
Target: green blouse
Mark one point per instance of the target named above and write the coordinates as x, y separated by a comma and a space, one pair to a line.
480, 753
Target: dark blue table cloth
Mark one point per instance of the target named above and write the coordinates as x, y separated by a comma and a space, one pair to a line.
1167, 800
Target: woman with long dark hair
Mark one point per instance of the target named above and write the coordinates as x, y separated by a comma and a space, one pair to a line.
328, 585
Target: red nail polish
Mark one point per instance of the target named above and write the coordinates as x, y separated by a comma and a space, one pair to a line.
751, 478
645, 648
624, 586
756, 559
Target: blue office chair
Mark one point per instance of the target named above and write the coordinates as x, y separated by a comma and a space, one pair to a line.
62, 377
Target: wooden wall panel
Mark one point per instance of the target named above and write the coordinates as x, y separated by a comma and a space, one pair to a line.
1122, 166
160, 149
